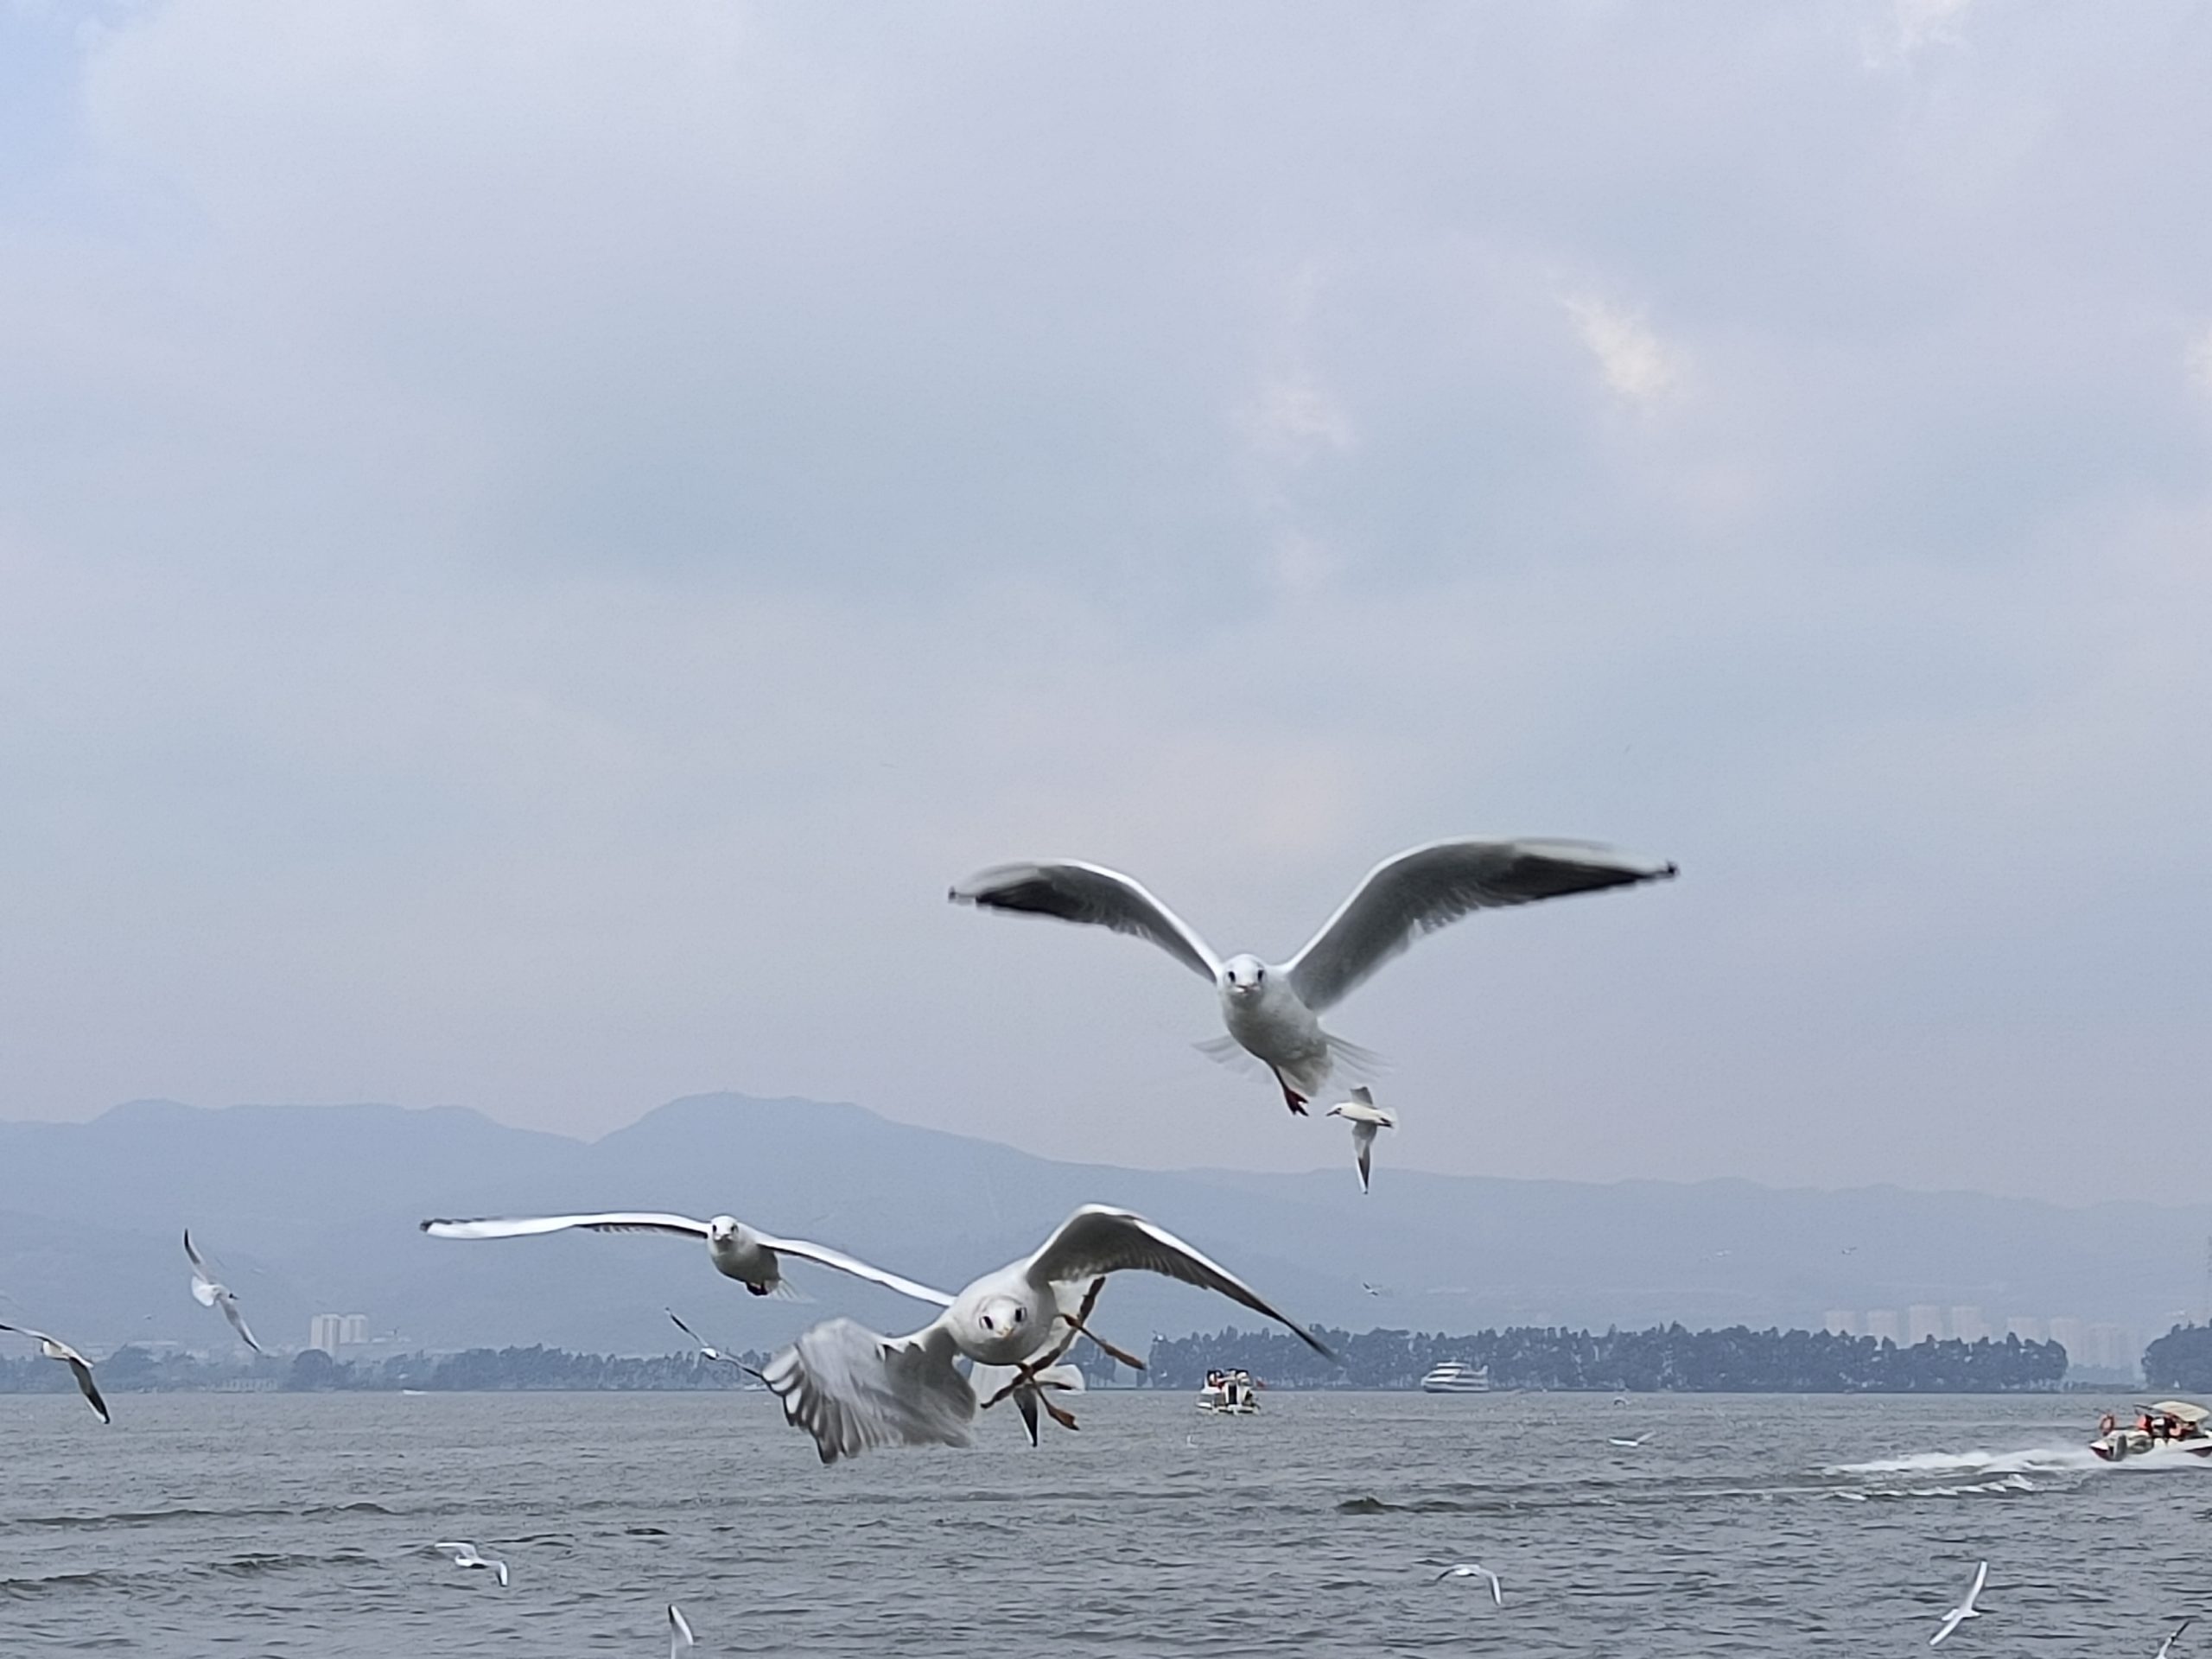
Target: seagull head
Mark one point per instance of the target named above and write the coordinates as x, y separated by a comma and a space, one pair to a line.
723, 1229
1003, 1322
1243, 975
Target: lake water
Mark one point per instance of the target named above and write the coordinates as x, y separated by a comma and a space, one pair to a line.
300, 1525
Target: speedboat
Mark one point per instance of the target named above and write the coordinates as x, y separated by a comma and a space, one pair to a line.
1229, 1394
2168, 1428
1455, 1376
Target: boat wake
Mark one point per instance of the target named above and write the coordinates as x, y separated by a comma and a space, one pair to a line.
1977, 1464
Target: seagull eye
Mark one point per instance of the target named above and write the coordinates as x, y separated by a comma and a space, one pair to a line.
987, 1326
1019, 1314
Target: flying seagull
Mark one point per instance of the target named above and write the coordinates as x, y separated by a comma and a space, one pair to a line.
1272, 1010
2166, 1647
208, 1293
1365, 1118
736, 1250
81, 1368
1474, 1570
705, 1352
1615, 1440
679, 1631
469, 1555
1966, 1609
851, 1389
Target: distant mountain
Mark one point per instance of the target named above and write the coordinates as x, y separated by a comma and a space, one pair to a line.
314, 1209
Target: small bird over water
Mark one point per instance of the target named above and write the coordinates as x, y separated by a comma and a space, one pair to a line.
1966, 1609
208, 1293
2166, 1647
705, 1352
80, 1367
851, 1389
1272, 1010
1365, 1118
735, 1250
679, 1631
1475, 1570
469, 1555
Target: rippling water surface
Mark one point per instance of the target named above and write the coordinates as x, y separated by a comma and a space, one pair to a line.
296, 1525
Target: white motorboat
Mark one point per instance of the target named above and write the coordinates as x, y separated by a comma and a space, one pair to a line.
2169, 1428
1455, 1376
1229, 1394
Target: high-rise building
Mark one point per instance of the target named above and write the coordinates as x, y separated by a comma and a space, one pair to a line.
2112, 1346
326, 1331
1921, 1321
1883, 1322
1968, 1324
2026, 1329
2073, 1336
1841, 1320
356, 1331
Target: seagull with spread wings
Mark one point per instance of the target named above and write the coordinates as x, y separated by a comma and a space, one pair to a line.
80, 1367
208, 1293
737, 1251
1966, 1609
467, 1554
851, 1389
1365, 1118
1273, 1012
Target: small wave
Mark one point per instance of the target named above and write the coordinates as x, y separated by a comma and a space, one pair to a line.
28, 1589
152, 1518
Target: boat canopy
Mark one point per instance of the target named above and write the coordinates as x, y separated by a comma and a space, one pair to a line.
2182, 1409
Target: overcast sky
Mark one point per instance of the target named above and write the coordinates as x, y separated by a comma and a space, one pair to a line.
536, 541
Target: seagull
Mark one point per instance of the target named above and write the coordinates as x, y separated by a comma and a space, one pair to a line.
2167, 1646
208, 1293
1474, 1570
679, 1631
705, 1352
469, 1555
1614, 1439
1272, 1010
851, 1389
54, 1348
1372, 1290
1365, 1118
996, 1382
1966, 1609
737, 1251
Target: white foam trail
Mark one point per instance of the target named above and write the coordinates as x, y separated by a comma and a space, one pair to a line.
2031, 1460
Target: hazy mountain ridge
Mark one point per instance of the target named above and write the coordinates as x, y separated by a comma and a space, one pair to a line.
314, 1209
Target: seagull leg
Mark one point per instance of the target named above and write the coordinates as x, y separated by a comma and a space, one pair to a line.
1291, 1097
1079, 1323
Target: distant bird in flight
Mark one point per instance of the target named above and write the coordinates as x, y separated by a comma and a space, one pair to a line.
679, 1631
1365, 1118
736, 1250
2166, 1647
851, 1389
1966, 1609
80, 1367
469, 1555
1272, 1010
705, 1352
1372, 1290
1614, 1439
208, 1293
1474, 1570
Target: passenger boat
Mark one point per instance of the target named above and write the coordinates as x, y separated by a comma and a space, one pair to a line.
1229, 1394
2169, 1428
1454, 1376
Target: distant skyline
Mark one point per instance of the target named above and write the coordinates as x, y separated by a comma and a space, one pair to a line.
539, 541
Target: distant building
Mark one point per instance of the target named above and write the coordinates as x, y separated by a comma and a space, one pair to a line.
357, 1329
328, 1332
1968, 1324
1921, 1321
1883, 1322
1841, 1320
2073, 1336
2026, 1329
2112, 1347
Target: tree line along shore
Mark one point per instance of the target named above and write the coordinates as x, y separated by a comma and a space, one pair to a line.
1661, 1359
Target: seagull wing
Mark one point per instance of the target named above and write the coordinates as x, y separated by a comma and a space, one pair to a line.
89, 1388
237, 1320
463, 1554
851, 1389
1089, 892
679, 1629
1097, 1240
1363, 1151
1980, 1577
199, 1262
1423, 889
824, 1256
619, 1221
1952, 1620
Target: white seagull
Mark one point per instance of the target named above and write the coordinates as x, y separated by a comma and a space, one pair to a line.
1272, 1010
1615, 1440
679, 1631
1474, 1570
1365, 1118
705, 1352
736, 1250
469, 1555
2167, 1646
208, 1293
851, 1389
54, 1348
1966, 1609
